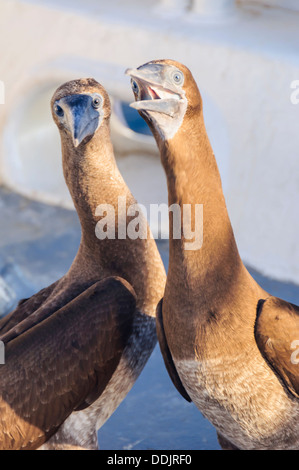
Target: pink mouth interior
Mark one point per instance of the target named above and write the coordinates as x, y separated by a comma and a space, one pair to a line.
153, 94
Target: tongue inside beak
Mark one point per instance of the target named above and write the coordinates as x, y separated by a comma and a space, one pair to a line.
153, 94
149, 100
147, 92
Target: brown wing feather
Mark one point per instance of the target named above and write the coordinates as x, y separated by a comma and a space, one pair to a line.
169, 364
25, 308
39, 307
54, 367
277, 336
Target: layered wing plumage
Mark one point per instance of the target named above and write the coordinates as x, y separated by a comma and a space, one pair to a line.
277, 336
63, 363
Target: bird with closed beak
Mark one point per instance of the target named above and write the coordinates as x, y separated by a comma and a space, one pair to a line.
227, 343
74, 350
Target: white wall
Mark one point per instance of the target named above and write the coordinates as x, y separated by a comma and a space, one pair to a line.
244, 60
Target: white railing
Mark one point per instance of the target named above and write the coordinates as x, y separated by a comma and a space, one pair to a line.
292, 5
222, 8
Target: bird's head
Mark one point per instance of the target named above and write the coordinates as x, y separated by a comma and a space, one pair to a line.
165, 91
79, 109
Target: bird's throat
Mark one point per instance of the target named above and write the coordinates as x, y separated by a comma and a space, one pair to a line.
194, 184
94, 181
96, 185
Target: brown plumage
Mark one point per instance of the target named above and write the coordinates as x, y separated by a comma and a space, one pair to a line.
74, 350
227, 344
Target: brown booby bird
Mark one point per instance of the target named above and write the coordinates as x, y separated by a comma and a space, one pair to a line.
227, 344
74, 350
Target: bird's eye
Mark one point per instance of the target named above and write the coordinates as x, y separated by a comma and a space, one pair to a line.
96, 102
135, 87
178, 77
58, 110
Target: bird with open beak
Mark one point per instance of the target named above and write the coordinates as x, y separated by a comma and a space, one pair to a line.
227, 344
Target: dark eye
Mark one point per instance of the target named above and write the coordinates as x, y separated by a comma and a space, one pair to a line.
135, 87
96, 102
178, 77
58, 110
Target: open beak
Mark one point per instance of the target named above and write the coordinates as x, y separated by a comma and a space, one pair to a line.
153, 91
80, 118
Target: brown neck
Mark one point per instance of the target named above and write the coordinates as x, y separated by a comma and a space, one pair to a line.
93, 179
193, 178
91, 175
